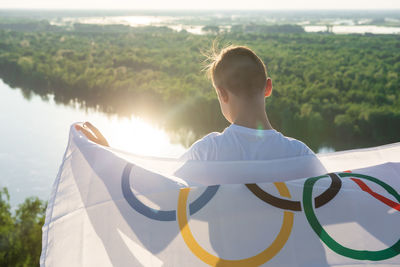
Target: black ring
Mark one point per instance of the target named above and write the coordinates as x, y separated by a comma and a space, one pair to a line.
286, 204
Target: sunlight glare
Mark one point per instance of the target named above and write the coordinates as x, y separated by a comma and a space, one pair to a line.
138, 136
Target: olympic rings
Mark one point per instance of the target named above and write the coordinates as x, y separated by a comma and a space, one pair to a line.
288, 216
383, 254
161, 215
259, 259
320, 200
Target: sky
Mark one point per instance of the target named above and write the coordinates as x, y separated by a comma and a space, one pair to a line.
201, 4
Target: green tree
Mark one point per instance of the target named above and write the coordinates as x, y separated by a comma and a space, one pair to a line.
20, 233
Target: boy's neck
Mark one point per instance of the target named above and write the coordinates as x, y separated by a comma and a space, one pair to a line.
252, 117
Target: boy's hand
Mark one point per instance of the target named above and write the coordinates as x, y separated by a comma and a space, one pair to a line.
92, 133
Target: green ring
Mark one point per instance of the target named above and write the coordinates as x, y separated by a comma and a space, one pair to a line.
329, 241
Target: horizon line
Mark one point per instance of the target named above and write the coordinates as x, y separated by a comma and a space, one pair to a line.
196, 10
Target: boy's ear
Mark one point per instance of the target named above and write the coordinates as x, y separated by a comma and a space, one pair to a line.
223, 94
268, 87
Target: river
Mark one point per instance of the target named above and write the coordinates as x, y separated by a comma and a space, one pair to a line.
34, 134
337, 25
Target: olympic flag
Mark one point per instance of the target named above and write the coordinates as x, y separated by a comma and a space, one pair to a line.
112, 208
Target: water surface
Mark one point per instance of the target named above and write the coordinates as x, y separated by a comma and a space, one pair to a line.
339, 26
34, 134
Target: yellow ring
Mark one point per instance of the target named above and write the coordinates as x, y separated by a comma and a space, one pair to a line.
256, 260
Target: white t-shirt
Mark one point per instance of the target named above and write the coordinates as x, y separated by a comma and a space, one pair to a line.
242, 143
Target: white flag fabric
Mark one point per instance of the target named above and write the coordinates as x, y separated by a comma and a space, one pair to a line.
112, 208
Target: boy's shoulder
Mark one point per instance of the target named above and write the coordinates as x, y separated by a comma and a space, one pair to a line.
197, 149
241, 143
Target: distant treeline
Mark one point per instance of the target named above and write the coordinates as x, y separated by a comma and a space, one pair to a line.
338, 90
28, 25
254, 28
35, 25
259, 28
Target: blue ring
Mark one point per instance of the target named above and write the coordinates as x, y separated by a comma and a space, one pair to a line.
161, 215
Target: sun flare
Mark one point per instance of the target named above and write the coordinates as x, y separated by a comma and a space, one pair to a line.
140, 137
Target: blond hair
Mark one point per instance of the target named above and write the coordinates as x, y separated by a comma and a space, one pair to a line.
237, 69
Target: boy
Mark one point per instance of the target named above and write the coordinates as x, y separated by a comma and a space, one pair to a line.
241, 83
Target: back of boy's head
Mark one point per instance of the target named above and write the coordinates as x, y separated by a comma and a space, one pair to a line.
239, 70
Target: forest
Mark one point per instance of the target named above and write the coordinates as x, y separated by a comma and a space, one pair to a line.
337, 90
